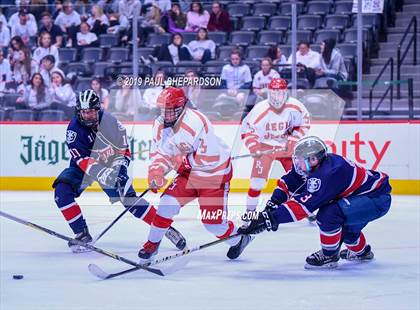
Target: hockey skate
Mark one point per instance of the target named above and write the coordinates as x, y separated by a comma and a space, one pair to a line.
366, 255
176, 238
318, 260
83, 236
149, 250
236, 250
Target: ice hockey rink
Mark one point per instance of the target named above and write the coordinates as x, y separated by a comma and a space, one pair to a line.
268, 275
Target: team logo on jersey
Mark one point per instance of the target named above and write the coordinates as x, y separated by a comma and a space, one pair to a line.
313, 185
120, 126
70, 136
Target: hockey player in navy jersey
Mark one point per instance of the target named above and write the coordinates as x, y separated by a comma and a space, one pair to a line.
346, 196
99, 151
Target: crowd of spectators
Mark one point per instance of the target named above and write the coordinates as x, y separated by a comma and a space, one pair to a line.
31, 39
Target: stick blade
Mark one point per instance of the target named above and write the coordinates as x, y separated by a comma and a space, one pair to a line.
98, 272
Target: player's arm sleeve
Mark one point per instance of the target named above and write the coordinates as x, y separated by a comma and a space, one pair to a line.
303, 204
301, 124
161, 154
123, 154
249, 132
287, 185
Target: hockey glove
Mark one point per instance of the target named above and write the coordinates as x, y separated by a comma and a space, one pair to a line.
184, 167
255, 150
265, 221
109, 177
156, 179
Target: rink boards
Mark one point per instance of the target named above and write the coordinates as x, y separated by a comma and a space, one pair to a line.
32, 154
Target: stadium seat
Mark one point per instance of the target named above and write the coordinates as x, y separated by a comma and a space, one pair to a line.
235, 23
219, 37
158, 39
91, 54
324, 34
347, 49
243, 38
282, 23
309, 22
343, 7
118, 55
256, 52
9, 100
369, 21
83, 83
51, 116
79, 68
108, 40
186, 65
189, 36
301, 35
2, 115
265, 9
253, 23
67, 55
318, 7
238, 9
270, 37
224, 52
286, 8
336, 21
23, 115
214, 67
226, 107
350, 35
145, 51
99, 69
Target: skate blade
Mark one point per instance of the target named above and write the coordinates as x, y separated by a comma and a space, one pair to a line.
329, 266
78, 249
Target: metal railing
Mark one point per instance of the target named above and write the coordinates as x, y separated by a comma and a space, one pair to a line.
413, 41
390, 87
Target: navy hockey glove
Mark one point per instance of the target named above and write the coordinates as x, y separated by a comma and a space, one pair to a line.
112, 177
265, 221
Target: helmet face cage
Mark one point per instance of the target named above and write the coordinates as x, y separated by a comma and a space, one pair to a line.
88, 100
171, 115
277, 97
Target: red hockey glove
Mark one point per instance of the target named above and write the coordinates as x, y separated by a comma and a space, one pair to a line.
255, 149
156, 179
184, 167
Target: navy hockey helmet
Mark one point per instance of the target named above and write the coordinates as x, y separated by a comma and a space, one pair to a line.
88, 106
306, 149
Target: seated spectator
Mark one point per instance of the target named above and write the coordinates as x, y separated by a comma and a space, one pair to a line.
263, 77
151, 93
219, 19
202, 48
5, 72
163, 5
307, 61
14, 19
128, 100
47, 66
24, 28
332, 63
4, 34
54, 30
98, 21
176, 19
236, 76
23, 66
174, 52
276, 56
127, 7
118, 24
102, 93
192, 88
2, 17
151, 24
197, 17
86, 38
45, 48
36, 96
62, 95
69, 20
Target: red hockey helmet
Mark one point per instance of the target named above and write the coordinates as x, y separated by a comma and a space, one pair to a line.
171, 102
277, 93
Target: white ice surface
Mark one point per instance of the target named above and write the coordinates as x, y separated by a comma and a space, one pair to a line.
269, 274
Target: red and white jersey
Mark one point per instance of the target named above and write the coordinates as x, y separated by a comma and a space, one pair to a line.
272, 127
193, 137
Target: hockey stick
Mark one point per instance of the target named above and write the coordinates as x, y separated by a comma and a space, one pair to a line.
256, 154
159, 272
100, 273
119, 216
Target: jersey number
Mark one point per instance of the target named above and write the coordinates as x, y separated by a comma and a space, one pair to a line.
74, 153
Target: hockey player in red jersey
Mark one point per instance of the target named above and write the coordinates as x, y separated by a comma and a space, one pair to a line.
184, 140
347, 198
273, 124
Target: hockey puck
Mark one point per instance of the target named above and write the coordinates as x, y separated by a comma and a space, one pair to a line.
17, 277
